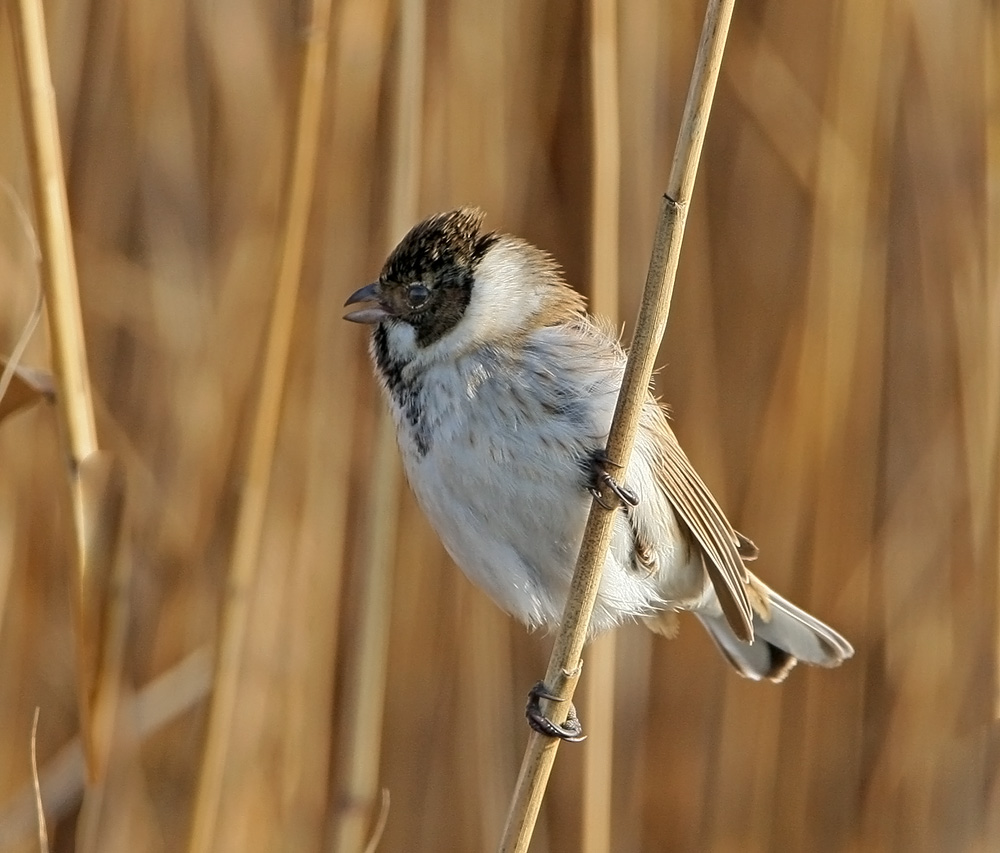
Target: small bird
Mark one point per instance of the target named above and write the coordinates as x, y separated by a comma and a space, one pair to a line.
503, 388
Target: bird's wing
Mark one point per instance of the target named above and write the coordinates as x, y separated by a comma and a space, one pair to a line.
724, 549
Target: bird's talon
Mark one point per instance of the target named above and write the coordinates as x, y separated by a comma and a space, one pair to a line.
570, 731
600, 476
599, 498
624, 493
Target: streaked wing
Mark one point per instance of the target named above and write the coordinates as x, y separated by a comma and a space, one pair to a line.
704, 518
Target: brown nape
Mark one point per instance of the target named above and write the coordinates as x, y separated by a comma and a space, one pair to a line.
561, 304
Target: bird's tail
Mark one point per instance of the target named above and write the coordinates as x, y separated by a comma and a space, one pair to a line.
783, 635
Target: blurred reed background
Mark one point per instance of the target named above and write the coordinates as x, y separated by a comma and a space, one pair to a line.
832, 360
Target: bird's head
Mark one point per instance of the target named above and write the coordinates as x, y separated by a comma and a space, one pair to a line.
450, 285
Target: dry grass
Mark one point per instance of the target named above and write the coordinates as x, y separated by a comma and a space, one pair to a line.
833, 362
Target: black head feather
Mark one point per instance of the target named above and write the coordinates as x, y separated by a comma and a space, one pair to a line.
439, 255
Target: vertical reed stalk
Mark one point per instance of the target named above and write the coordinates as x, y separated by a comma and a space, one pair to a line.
95, 532
565, 663
367, 665
253, 499
845, 305
69, 356
991, 91
599, 688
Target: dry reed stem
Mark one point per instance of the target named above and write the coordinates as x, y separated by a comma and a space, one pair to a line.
380, 822
312, 636
645, 76
43, 833
253, 499
841, 358
361, 46
368, 660
61, 781
991, 97
777, 100
599, 687
565, 663
93, 569
59, 280
823, 410
104, 609
483, 161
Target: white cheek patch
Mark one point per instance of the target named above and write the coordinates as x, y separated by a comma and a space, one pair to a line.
506, 291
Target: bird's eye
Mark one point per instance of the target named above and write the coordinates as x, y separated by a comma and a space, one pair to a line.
417, 295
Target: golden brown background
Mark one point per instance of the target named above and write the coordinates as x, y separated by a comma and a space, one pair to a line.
832, 361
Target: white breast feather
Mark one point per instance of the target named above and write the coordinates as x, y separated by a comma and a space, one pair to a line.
501, 481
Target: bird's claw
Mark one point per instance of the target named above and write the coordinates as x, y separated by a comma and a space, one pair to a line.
601, 476
570, 731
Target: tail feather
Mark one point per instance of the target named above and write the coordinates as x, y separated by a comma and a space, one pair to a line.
788, 635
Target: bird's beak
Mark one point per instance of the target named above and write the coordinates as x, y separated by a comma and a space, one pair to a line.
372, 314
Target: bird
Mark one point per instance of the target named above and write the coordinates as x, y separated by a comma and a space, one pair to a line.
502, 388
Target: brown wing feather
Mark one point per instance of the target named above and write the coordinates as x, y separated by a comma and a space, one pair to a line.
704, 518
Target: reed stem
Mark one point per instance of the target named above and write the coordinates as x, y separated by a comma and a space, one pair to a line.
565, 664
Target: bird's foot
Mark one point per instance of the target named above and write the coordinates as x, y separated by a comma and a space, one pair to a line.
598, 465
571, 730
